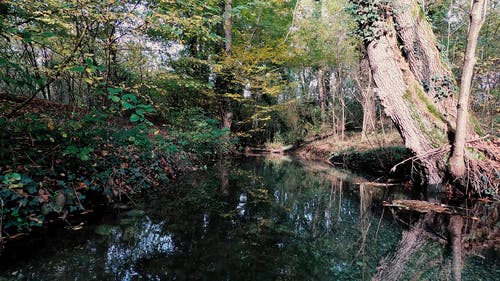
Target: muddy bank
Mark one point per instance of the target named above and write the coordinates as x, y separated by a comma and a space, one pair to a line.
374, 157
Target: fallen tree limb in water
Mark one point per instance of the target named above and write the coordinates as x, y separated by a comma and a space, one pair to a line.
426, 207
278, 150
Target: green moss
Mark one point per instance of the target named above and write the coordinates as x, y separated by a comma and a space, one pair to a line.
105, 229
476, 125
418, 12
407, 96
476, 154
433, 134
430, 107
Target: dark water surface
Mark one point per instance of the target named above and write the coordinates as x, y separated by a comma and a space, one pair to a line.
255, 219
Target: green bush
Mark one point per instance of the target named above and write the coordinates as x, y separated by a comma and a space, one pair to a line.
50, 165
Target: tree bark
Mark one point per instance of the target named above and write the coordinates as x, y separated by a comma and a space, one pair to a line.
228, 22
457, 162
413, 84
367, 99
455, 228
321, 92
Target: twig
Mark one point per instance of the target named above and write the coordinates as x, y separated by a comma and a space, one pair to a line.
293, 21
429, 153
379, 223
78, 199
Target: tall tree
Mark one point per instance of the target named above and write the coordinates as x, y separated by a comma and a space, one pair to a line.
226, 114
477, 17
416, 86
412, 82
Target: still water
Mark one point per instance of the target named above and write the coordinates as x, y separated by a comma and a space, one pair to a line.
254, 219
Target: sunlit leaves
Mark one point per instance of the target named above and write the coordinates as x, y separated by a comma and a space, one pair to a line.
12, 180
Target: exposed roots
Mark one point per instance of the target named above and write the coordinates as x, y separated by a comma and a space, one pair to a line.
482, 162
483, 168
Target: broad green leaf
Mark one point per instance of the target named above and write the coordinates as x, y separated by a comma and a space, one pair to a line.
115, 98
131, 98
78, 68
114, 90
134, 118
10, 178
89, 62
127, 105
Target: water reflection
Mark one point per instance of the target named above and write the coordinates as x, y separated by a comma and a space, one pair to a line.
139, 241
266, 220
433, 248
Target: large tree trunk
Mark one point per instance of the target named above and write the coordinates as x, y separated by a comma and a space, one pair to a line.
413, 84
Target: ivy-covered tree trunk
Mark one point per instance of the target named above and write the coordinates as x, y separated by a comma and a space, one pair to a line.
412, 82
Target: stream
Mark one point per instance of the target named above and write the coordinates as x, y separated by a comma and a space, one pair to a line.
262, 218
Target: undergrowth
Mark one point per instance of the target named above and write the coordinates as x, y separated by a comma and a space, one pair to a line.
55, 165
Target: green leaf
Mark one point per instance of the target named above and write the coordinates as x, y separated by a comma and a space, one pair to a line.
47, 34
10, 178
114, 91
78, 68
134, 118
127, 105
115, 98
89, 62
131, 98
71, 150
32, 188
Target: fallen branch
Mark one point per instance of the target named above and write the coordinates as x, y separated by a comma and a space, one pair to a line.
426, 207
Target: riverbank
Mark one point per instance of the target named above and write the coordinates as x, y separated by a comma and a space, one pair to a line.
375, 155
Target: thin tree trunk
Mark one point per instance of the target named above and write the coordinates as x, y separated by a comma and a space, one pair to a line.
455, 228
225, 78
333, 92
448, 31
457, 162
321, 91
341, 98
228, 21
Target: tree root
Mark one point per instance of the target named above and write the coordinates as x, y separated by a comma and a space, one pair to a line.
482, 162
483, 169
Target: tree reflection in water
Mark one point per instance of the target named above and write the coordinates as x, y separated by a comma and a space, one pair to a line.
266, 219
